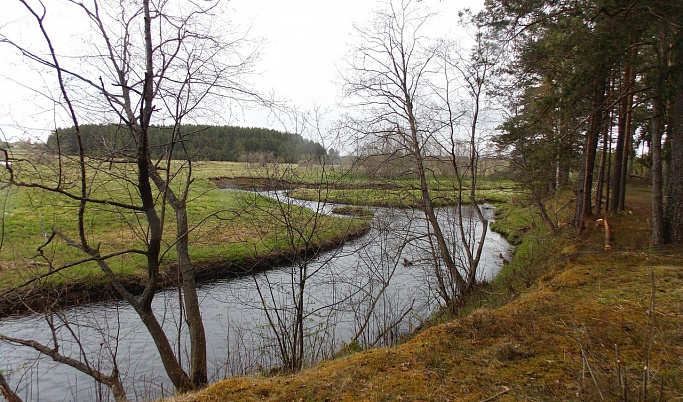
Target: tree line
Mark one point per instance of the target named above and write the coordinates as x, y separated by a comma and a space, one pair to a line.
201, 142
585, 83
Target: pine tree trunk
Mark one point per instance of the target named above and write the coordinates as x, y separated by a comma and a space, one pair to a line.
657, 129
601, 171
673, 223
629, 75
585, 183
615, 180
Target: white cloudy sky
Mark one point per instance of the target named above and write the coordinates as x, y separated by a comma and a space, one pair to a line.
305, 42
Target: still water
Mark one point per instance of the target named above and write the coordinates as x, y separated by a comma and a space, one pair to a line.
386, 268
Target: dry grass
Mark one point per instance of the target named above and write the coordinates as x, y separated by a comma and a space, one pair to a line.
584, 330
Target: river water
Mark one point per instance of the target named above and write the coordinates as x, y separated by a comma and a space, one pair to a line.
386, 268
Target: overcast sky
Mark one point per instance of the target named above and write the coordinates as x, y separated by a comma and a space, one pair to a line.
305, 42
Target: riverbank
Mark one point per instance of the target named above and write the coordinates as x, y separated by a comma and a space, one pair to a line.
384, 194
222, 251
566, 319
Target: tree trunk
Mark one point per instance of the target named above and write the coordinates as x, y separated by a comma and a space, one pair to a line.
299, 347
657, 129
193, 317
585, 182
601, 171
179, 378
428, 206
116, 387
173, 368
624, 163
629, 74
673, 223
195, 324
618, 154
618, 178
473, 252
7, 391
657, 196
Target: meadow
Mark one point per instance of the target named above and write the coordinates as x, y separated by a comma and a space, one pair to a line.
226, 227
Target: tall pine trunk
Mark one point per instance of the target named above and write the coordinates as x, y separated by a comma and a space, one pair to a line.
657, 130
601, 171
618, 181
585, 182
673, 220
630, 76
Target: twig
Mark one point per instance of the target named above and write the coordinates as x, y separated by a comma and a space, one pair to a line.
590, 371
503, 392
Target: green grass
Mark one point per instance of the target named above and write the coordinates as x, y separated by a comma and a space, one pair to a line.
397, 198
225, 226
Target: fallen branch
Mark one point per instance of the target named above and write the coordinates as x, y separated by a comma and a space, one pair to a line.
503, 392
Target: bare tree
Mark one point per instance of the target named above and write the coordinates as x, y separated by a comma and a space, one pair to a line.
473, 72
152, 61
404, 84
291, 313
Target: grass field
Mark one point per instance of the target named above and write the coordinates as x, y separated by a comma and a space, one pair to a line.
225, 225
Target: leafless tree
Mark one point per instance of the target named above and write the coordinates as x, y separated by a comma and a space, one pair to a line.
151, 62
409, 89
472, 75
285, 299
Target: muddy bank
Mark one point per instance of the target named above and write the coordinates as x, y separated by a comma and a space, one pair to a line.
39, 298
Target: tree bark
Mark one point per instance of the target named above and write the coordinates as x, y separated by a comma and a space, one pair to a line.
673, 223
619, 151
629, 75
585, 182
7, 391
657, 130
195, 324
173, 368
428, 208
601, 170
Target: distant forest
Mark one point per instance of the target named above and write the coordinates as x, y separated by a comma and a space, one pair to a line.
219, 143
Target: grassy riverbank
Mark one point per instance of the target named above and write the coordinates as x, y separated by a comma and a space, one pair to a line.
566, 320
405, 196
232, 232
344, 188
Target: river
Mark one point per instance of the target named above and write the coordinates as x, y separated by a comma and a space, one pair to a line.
386, 268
